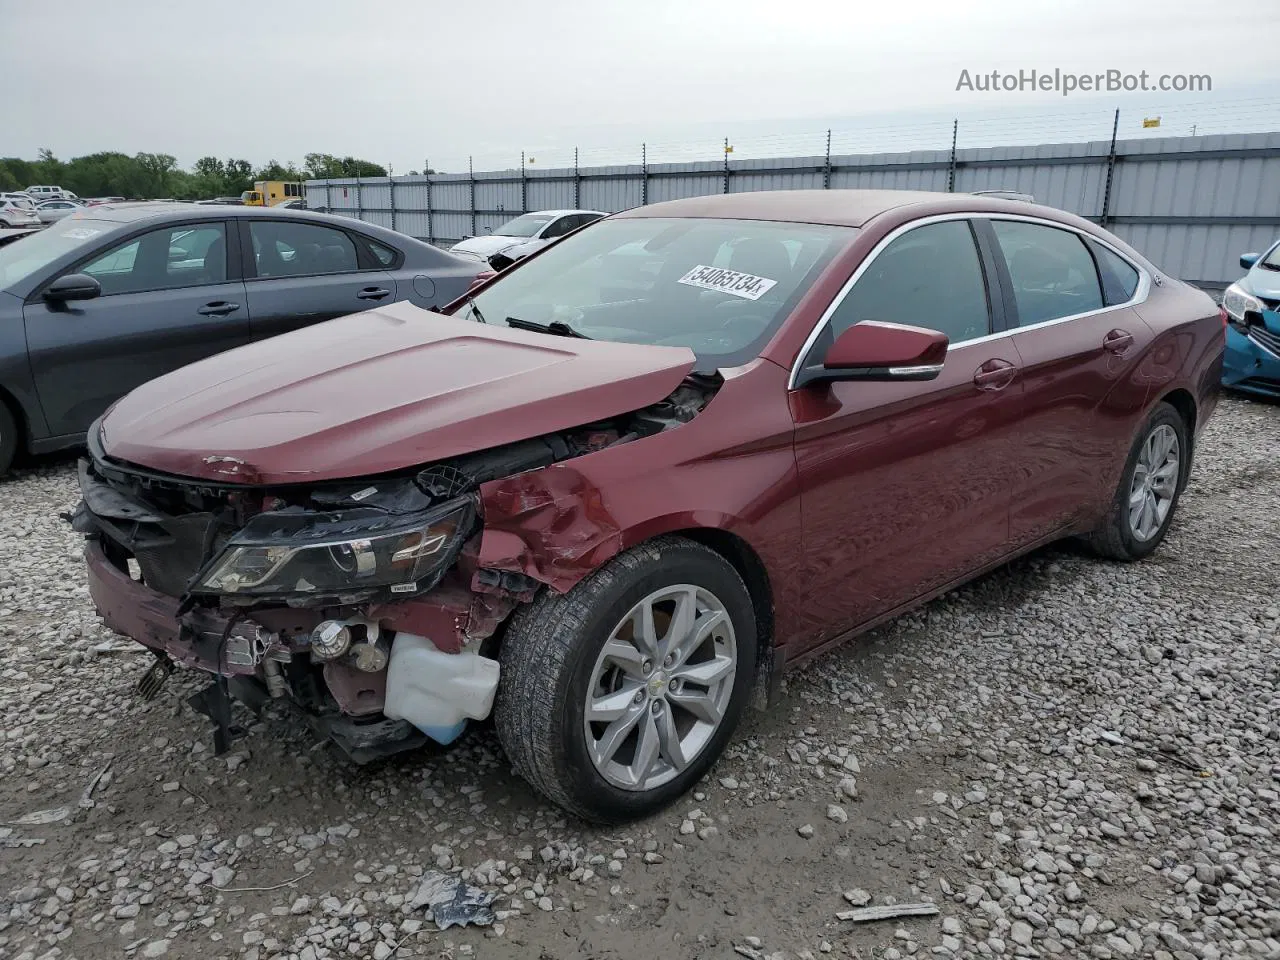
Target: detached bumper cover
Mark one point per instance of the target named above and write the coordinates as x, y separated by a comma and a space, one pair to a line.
199, 639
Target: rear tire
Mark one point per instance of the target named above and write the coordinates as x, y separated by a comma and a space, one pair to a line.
8, 438
665, 696
1147, 497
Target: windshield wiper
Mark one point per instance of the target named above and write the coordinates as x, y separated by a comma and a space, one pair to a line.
557, 327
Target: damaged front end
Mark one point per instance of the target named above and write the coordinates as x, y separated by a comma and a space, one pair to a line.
364, 603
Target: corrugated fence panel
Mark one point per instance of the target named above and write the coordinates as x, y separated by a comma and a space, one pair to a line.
1166, 193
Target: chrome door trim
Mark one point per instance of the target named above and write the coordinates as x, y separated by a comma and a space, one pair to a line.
1140, 294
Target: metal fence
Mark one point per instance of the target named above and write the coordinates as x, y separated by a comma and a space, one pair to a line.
1190, 204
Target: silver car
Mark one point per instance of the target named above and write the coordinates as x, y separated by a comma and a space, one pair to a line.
51, 211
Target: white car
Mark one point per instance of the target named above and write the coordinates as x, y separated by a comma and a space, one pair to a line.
49, 193
529, 231
17, 213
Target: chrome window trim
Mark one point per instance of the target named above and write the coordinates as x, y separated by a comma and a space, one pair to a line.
1140, 293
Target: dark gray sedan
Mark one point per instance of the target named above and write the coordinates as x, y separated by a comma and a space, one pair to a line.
118, 294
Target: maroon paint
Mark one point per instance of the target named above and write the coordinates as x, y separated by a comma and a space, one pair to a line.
135, 610
358, 693
378, 391
859, 498
874, 344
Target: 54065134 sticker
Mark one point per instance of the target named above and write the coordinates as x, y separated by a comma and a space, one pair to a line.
744, 285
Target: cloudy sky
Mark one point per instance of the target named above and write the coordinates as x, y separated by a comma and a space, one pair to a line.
397, 81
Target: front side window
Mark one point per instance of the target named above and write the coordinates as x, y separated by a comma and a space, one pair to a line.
1053, 275
718, 287
164, 259
525, 226
284, 249
929, 277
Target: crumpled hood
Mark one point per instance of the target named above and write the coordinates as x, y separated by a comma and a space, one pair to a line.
487, 246
378, 391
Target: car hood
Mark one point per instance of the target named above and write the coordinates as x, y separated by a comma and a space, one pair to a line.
486, 246
378, 391
1263, 283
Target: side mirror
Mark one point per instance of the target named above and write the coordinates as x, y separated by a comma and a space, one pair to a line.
873, 350
1247, 260
74, 286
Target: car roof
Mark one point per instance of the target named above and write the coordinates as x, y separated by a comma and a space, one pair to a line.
846, 208
133, 210
557, 213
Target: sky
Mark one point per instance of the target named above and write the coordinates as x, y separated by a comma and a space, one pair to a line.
405, 82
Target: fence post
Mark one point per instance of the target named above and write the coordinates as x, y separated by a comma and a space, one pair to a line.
328, 196
431, 233
391, 196
359, 201
726, 164
826, 167
577, 183
644, 174
1105, 218
951, 164
471, 193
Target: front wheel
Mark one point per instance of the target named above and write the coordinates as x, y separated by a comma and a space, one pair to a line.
1150, 487
617, 697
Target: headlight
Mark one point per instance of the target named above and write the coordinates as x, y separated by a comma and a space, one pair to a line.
345, 551
1237, 303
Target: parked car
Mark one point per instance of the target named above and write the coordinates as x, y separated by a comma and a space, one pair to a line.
115, 295
17, 214
46, 193
51, 211
97, 201
628, 479
529, 232
1253, 338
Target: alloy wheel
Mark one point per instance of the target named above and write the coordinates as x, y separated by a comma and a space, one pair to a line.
1155, 482
660, 687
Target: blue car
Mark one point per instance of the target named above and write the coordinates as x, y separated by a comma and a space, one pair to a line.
1252, 360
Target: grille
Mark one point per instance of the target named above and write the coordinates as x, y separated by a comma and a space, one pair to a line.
1264, 338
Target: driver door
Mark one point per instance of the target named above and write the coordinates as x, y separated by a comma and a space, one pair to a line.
167, 300
906, 486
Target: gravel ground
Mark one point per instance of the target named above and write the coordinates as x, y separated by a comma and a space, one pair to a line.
1067, 757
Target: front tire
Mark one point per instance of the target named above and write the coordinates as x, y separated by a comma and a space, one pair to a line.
616, 697
1150, 487
8, 439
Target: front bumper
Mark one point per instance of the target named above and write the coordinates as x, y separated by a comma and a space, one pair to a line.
1249, 365
199, 639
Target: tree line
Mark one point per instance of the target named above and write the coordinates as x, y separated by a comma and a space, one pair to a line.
151, 176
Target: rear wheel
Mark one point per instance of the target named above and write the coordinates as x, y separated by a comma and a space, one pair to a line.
618, 696
1150, 487
8, 438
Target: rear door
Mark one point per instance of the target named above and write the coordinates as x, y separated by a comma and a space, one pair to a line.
905, 486
299, 273
170, 296
1081, 344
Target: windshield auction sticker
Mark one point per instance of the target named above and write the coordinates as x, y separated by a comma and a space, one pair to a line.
732, 282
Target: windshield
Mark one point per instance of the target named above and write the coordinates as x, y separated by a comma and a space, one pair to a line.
20, 259
1272, 260
719, 287
525, 226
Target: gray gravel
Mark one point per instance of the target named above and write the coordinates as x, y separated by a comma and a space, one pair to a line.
1068, 758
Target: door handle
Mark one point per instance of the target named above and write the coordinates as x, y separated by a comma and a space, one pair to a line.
994, 375
372, 293
218, 308
1117, 341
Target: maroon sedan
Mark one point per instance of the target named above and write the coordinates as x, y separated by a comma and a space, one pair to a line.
637, 474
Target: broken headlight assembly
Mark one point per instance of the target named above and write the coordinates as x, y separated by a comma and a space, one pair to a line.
296, 551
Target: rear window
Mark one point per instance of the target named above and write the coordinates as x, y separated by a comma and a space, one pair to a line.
720, 287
